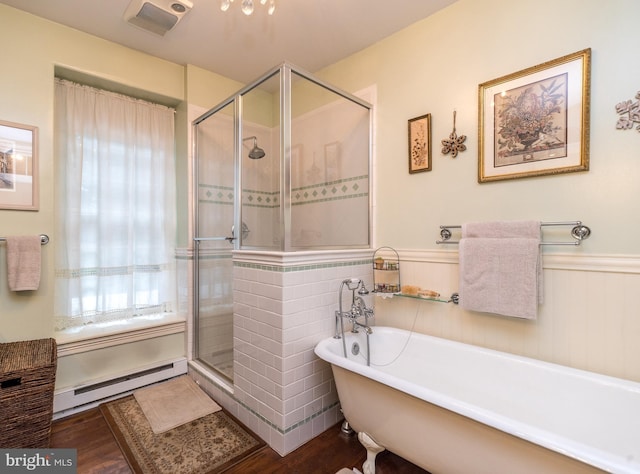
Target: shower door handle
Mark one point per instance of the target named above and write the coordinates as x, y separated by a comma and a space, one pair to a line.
212, 239
245, 233
232, 237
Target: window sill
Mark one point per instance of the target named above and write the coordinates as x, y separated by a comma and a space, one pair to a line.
99, 336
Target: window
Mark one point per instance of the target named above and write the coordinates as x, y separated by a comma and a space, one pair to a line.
115, 201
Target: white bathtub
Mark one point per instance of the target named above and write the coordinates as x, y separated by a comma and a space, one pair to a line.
455, 408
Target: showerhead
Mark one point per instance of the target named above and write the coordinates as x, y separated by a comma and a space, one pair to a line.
256, 152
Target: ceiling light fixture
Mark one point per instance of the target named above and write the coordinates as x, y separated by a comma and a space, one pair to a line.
247, 6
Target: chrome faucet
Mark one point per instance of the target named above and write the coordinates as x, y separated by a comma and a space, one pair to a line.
358, 309
357, 324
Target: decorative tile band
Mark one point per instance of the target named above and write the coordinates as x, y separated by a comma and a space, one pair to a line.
214, 194
301, 268
263, 199
348, 188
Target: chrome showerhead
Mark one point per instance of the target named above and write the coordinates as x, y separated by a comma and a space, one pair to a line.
256, 152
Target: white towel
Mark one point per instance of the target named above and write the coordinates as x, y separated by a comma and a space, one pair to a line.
23, 262
500, 268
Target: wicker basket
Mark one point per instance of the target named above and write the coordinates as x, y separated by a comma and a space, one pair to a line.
27, 379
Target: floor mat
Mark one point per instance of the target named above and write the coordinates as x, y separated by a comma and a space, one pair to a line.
170, 404
207, 445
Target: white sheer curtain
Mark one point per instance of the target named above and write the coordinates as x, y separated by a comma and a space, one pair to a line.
115, 200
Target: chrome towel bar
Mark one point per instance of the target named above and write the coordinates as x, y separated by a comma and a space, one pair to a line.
579, 232
44, 239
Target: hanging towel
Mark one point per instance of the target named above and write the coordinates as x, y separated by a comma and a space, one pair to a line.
509, 229
500, 268
23, 262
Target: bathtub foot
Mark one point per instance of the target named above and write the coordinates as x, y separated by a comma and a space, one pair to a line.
373, 448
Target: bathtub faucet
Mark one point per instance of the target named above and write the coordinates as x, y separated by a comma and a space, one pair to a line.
358, 306
357, 324
358, 309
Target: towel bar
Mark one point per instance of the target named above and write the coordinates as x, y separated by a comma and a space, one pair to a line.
579, 232
44, 239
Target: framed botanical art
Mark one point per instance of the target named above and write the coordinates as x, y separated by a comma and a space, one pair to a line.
420, 144
535, 122
18, 166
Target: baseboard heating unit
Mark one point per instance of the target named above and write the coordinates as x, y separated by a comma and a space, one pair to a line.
73, 400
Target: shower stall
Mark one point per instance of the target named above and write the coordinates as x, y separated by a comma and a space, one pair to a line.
283, 166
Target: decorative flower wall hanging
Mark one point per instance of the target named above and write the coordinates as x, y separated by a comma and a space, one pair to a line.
630, 114
455, 143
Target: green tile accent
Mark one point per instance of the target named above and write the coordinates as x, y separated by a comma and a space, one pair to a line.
301, 268
346, 188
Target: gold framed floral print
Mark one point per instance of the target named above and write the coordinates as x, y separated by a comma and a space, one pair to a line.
536, 121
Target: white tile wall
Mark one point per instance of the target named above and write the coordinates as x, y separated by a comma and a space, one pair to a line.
281, 312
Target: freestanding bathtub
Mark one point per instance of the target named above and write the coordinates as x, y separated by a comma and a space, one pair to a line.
455, 408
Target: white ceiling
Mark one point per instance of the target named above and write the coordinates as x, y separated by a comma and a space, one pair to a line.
308, 33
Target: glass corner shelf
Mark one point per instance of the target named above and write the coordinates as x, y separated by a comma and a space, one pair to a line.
453, 299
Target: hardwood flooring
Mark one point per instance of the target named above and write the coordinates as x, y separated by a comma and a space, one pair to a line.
98, 452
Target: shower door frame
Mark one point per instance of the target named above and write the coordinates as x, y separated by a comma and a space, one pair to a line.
284, 158
286, 69
286, 83
233, 238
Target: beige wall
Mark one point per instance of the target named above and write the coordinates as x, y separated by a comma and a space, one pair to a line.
436, 65
589, 318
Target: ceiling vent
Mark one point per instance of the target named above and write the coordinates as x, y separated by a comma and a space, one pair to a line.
156, 16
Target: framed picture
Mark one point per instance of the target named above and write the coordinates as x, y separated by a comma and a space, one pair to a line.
18, 166
420, 144
536, 121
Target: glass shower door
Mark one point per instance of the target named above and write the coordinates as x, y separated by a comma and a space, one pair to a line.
214, 241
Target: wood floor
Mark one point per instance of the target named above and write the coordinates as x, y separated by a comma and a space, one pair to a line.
98, 452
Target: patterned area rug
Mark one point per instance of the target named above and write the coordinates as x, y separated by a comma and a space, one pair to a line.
208, 445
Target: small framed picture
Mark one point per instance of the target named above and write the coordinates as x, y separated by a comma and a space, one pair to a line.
18, 166
420, 144
535, 122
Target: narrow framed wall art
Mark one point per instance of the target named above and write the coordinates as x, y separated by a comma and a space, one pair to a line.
420, 144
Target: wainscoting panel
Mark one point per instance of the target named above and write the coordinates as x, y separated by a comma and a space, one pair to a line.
589, 318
